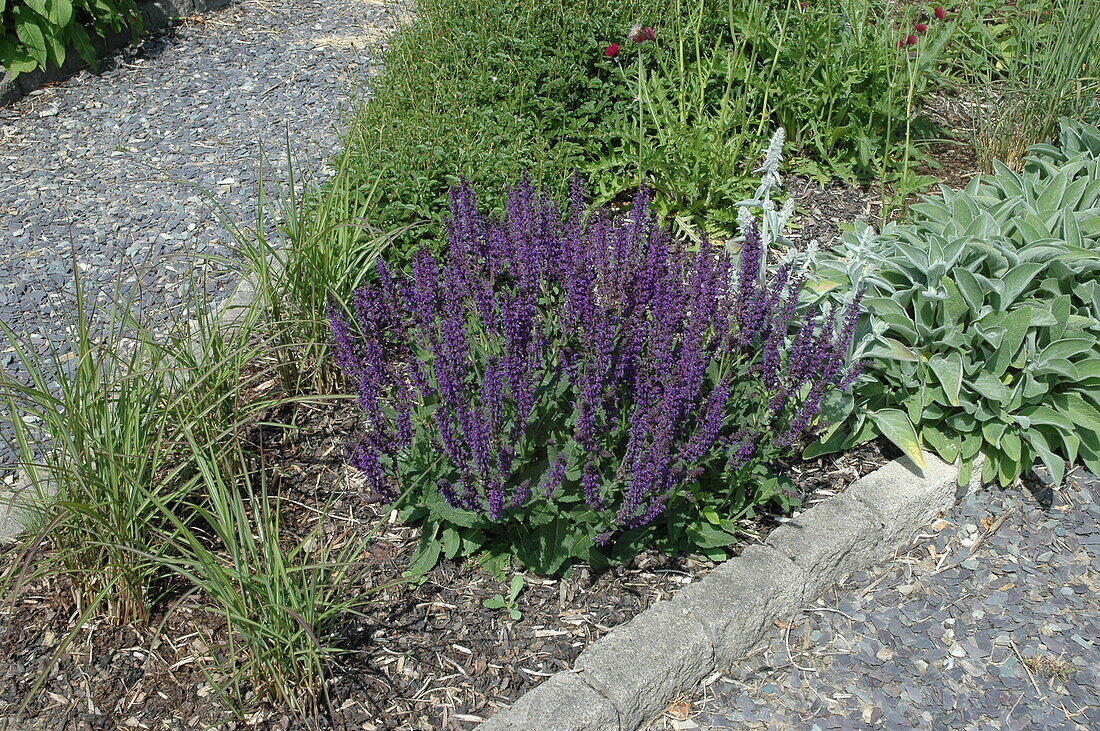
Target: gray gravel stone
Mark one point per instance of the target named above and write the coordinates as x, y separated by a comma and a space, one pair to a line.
106, 164
1000, 645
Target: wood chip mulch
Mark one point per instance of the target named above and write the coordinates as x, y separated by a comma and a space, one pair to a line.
421, 657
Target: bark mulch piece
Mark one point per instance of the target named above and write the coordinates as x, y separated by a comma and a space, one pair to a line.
428, 656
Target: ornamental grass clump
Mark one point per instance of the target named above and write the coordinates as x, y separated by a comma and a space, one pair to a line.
571, 385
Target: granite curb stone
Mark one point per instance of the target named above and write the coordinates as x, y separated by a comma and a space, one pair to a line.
156, 15
724, 615
902, 503
830, 541
563, 703
737, 600
649, 657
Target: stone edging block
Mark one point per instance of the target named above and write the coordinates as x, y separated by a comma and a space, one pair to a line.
629, 675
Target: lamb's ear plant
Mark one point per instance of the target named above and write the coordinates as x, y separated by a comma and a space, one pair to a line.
982, 320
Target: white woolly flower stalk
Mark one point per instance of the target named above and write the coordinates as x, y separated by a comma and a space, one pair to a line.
772, 221
860, 258
769, 170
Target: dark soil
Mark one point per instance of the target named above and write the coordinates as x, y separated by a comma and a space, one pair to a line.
420, 657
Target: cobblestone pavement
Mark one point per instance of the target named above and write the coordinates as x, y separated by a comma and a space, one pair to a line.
105, 164
991, 621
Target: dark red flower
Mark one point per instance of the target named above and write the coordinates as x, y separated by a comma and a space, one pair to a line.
939, 12
612, 50
901, 43
911, 41
640, 34
921, 27
803, 6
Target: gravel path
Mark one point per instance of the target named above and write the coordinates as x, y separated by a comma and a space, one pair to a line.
102, 160
992, 621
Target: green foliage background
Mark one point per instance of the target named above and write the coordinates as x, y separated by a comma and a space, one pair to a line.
40, 34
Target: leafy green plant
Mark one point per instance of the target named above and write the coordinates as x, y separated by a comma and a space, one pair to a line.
37, 34
499, 601
486, 93
281, 600
96, 433
695, 124
135, 444
983, 318
548, 88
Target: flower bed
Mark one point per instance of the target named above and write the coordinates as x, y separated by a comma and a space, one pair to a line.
559, 411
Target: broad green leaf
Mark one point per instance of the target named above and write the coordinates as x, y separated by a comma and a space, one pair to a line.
1060, 309
1015, 325
28, 30
895, 426
971, 445
60, 12
891, 349
989, 386
452, 542
955, 306
966, 472
1016, 281
427, 553
1046, 415
1058, 366
949, 371
1008, 469
79, 40
989, 468
705, 535
1032, 228
970, 289
1051, 198
945, 446
838, 438
992, 431
1081, 412
1066, 349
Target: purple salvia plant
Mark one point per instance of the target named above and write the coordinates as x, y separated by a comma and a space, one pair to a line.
590, 343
